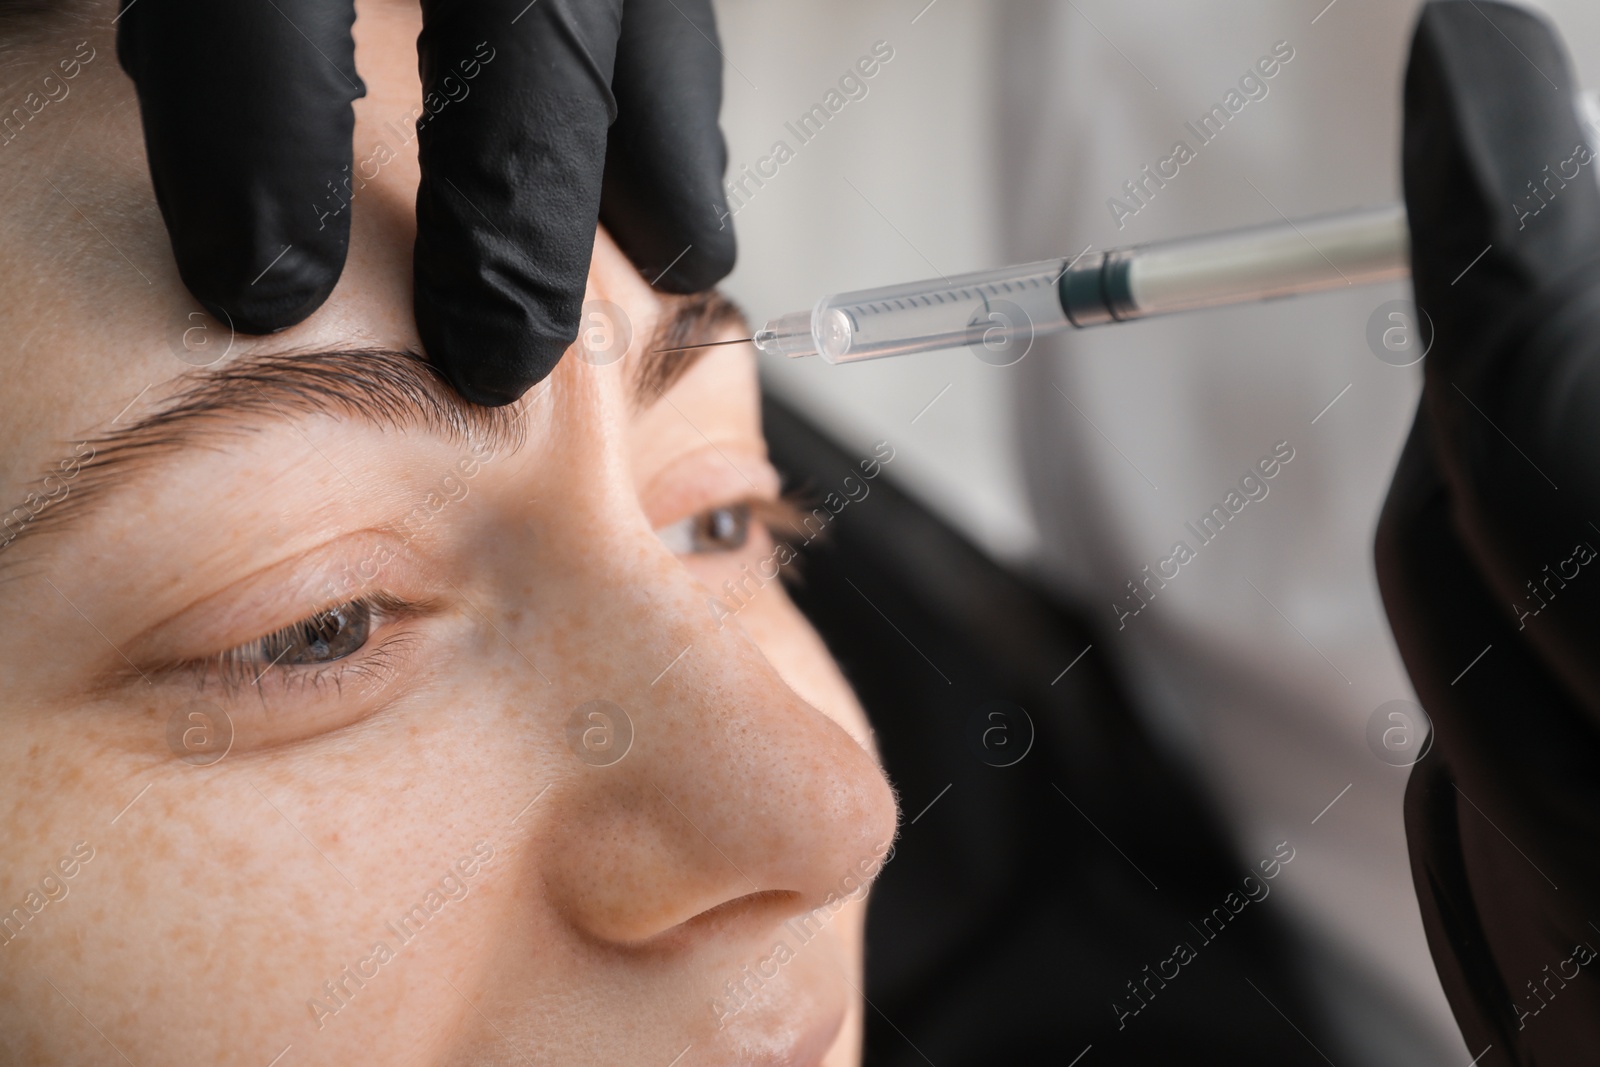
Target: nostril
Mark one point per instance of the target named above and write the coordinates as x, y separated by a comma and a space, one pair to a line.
732, 918
738, 804
656, 858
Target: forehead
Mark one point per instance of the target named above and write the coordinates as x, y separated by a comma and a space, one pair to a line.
96, 315
102, 328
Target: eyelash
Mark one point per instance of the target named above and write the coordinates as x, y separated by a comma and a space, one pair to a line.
785, 516
248, 664
777, 516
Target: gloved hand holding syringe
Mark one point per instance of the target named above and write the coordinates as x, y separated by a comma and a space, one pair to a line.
1003, 309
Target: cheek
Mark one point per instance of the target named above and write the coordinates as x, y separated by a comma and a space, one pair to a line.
233, 877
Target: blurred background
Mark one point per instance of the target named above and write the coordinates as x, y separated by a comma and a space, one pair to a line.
1169, 752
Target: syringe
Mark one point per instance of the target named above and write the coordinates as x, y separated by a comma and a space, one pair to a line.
1002, 310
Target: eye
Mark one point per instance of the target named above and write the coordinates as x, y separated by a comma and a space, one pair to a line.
344, 656
720, 529
324, 637
328, 636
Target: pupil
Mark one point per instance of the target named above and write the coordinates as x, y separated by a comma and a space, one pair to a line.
725, 528
334, 634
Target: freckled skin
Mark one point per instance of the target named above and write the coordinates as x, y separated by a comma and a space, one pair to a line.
615, 903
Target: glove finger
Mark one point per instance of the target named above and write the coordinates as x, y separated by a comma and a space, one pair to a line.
1502, 809
512, 142
1494, 157
662, 198
248, 123
1511, 761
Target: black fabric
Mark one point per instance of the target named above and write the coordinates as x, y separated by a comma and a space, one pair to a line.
248, 122
1006, 925
1487, 540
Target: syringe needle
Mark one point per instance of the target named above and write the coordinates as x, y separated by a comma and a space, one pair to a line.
706, 344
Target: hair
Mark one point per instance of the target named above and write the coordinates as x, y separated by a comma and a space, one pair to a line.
685, 319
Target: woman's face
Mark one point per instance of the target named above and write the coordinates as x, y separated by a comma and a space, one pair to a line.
346, 725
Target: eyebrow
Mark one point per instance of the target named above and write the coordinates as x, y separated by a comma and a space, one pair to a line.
388, 387
685, 321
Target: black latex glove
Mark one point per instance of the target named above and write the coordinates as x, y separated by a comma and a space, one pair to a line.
248, 124
1499, 486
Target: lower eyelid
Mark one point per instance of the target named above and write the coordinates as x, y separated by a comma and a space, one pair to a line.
377, 663
288, 708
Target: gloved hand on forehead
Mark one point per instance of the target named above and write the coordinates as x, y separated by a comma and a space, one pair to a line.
1487, 548
540, 119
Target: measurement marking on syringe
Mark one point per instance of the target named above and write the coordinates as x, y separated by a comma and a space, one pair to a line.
980, 295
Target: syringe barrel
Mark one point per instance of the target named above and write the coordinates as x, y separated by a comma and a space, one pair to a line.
1238, 266
996, 311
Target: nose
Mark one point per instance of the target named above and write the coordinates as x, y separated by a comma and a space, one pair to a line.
733, 789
